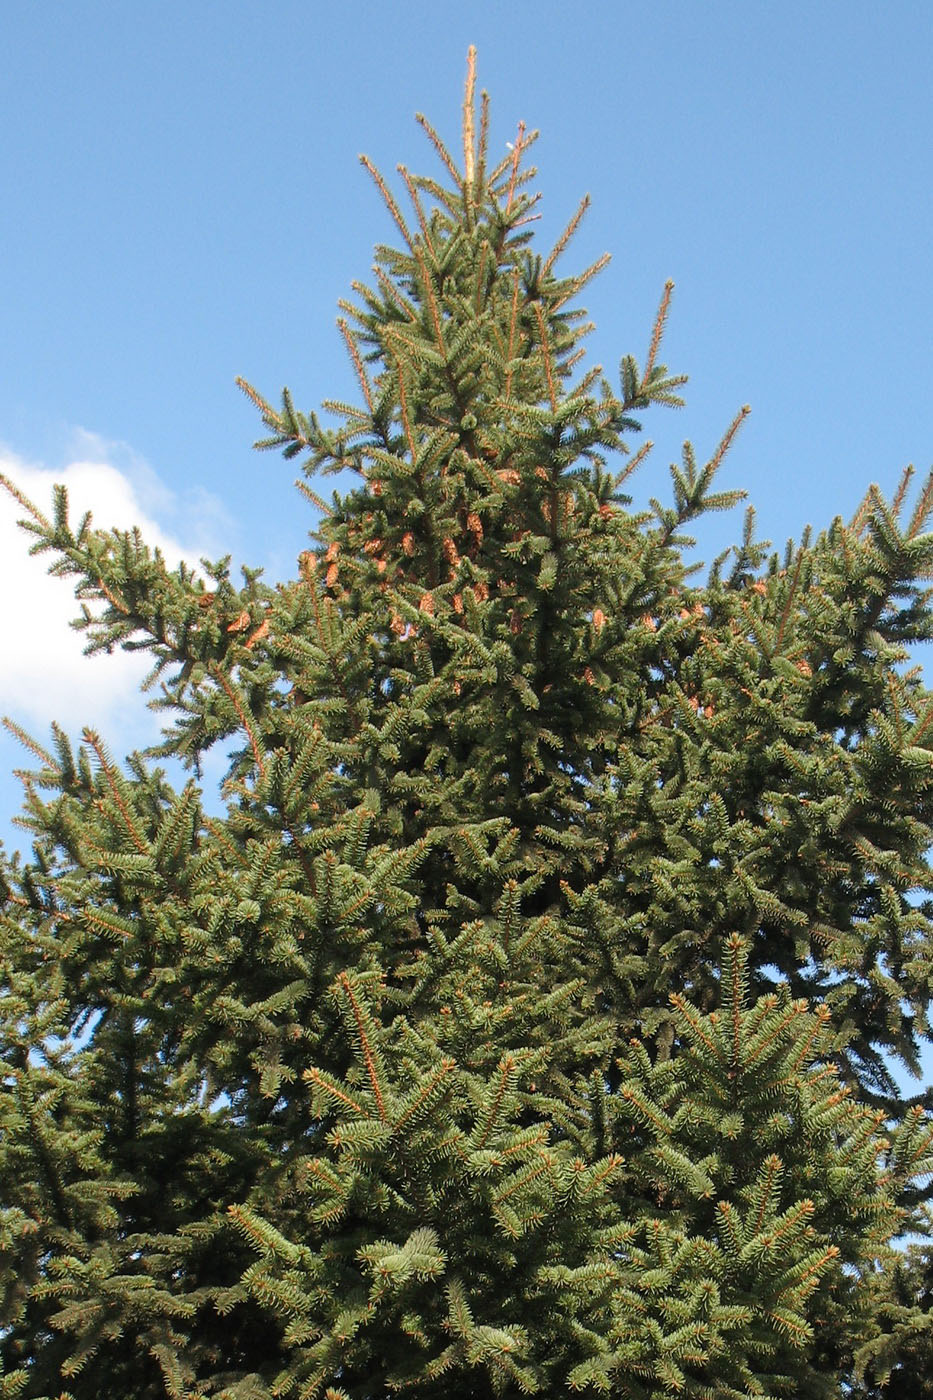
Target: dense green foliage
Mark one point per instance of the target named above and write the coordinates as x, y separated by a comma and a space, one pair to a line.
525, 1021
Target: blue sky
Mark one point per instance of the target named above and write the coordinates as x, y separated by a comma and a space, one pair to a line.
182, 203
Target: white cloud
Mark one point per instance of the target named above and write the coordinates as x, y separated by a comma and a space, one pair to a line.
44, 674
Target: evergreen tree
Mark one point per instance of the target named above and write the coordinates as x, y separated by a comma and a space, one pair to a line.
528, 1021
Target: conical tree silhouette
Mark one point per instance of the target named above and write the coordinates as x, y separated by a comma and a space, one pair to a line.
525, 1023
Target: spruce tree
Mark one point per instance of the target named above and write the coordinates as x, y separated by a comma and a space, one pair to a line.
529, 1019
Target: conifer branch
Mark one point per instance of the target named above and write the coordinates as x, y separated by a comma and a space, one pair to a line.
528, 218
863, 513
357, 359
513, 323
28, 742
485, 258
660, 321
38, 1143
524, 1178
577, 283
773, 1167
566, 236
693, 1020
483, 140
789, 601
314, 1076
432, 302
546, 352
438, 145
218, 831
506, 1071
901, 492
792, 1014
13, 490
446, 1067
270, 417
821, 1021
118, 604
634, 463
649, 1112
571, 362
469, 136
403, 405
389, 200
394, 295
736, 995
922, 509
812, 1271
726, 442
309, 575
516, 158
316, 500
105, 921
368, 1056
608, 1169
920, 728
418, 207
792, 1218
231, 694
94, 740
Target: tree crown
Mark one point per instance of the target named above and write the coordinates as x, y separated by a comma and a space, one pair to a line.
525, 1019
